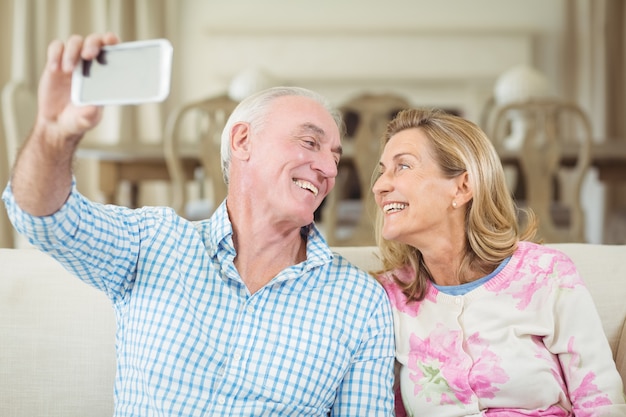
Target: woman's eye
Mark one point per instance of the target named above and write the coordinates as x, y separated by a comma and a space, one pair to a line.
402, 167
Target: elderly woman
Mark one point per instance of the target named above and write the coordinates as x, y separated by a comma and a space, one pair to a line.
486, 322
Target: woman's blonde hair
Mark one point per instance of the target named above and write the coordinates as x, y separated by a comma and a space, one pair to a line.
491, 219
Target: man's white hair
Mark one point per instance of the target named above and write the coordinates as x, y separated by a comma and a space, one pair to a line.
254, 109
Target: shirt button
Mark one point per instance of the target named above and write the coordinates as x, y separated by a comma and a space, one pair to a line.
250, 309
237, 356
221, 399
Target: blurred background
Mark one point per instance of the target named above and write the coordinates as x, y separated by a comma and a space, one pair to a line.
445, 53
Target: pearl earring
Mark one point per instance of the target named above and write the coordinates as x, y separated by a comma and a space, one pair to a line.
454, 204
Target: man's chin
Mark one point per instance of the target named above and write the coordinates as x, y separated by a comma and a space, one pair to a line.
305, 219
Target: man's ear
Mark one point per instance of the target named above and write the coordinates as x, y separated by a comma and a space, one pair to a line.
464, 192
240, 140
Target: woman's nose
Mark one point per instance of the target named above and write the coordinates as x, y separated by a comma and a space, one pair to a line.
381, 185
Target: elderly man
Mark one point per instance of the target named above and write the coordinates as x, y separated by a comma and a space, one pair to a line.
247, 313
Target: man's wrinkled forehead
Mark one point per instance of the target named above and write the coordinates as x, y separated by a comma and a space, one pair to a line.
311, 129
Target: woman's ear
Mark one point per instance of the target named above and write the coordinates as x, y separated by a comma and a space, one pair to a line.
240, 140
464, 192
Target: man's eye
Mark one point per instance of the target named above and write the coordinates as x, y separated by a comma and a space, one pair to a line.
309, 141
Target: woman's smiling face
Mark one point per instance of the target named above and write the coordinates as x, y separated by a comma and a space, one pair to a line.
411, 190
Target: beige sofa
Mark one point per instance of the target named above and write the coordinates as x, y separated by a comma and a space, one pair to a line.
57, 354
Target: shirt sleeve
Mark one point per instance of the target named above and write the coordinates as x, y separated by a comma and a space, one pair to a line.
99, 243
594, 385
367, 389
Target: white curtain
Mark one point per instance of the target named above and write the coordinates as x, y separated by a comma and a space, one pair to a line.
595, 62
28, 26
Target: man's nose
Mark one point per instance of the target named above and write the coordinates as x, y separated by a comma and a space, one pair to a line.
326, 163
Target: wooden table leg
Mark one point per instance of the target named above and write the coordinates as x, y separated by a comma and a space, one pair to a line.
109, 178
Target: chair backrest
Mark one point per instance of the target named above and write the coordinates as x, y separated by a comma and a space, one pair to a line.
199, 123
366, 117
554, 156
19, 109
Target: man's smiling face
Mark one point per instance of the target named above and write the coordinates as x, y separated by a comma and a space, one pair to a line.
294, 156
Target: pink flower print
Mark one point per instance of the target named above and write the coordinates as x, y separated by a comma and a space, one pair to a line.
557, 269
550, 359
586, 396
522, 287
397, 298
439, 367
486, 370
569, 276
539, 270
525, 280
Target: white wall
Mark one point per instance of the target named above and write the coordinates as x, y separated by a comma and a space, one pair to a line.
436, 52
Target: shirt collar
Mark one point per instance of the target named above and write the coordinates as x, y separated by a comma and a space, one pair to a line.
218, 231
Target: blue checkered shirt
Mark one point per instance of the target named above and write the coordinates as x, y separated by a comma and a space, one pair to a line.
192, 341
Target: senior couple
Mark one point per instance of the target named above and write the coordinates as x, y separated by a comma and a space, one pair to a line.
249, 313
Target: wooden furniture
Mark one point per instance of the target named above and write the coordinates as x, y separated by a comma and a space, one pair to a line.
608, 157
204, 121
349, 211
145, 162
543, 128
133, 163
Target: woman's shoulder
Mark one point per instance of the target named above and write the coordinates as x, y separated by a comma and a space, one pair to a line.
390, 277
535, 251
541, 259
391, 280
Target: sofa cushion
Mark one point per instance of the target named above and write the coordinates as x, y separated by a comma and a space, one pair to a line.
57, 336
603, 268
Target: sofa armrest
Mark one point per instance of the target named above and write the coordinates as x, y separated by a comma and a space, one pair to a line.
620, 354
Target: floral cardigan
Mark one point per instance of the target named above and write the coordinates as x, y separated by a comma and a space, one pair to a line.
528, 342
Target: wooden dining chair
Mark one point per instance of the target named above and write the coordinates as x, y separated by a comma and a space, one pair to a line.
199, 123
552, 183
19, 109
349, 210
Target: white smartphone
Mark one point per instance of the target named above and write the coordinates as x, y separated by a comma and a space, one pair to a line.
126, 73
